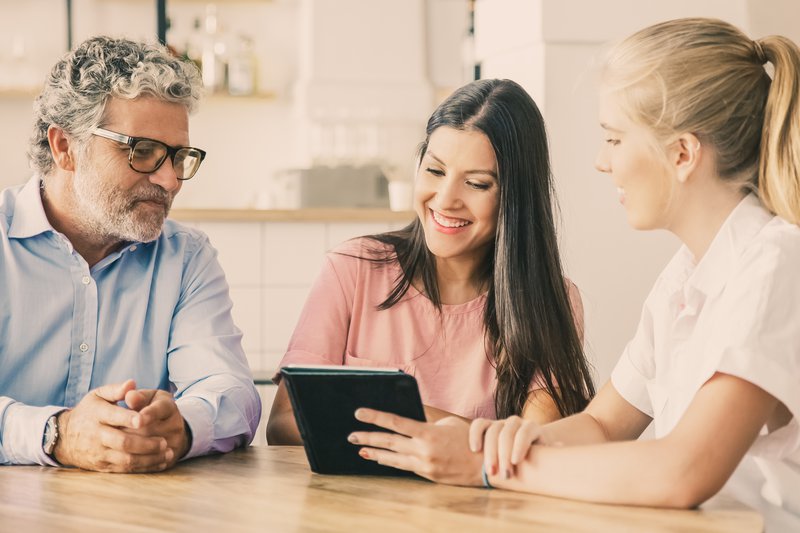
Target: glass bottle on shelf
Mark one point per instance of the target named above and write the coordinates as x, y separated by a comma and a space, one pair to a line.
242, 68
193, 51
470, 68
213, 56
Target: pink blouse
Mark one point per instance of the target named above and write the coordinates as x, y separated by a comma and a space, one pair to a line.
341, 325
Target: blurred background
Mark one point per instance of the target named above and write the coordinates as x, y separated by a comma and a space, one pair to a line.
315, 108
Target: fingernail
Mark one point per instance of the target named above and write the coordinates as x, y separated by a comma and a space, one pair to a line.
359, 413
163, 445
363, 453
135, 421
169, 454
352, 438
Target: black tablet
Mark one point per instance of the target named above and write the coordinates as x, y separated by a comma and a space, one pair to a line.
324, 399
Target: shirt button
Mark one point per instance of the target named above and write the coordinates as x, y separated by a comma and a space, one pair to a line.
84, 347
85, 280
132, 248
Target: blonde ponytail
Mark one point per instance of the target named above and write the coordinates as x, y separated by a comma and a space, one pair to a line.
705, 76
779, 167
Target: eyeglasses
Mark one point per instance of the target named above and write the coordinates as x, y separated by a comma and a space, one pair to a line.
147, 155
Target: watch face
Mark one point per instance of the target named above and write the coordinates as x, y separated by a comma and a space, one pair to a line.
50, 435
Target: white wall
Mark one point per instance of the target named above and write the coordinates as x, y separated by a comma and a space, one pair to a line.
551, 47
29, 45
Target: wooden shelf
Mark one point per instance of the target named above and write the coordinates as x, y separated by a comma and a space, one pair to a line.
29, 92
292, 215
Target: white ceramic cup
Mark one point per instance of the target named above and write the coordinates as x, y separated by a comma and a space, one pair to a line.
400, 195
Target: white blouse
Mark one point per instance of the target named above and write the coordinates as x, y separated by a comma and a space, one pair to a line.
737, 312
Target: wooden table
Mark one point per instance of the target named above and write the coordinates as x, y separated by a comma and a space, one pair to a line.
272, 489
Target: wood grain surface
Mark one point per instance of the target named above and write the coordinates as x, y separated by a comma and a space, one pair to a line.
272, 489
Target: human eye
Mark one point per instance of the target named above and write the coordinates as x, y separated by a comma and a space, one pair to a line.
147, 151
180, 156
435, 171
478, 185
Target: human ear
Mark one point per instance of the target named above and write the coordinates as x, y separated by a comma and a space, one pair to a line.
684, 154
60, 148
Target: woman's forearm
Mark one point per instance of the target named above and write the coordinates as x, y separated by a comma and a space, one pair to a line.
632, 472
581, 428
433, 415
608, 417
282, 430
682, 469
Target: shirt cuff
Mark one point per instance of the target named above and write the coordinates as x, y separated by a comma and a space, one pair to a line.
201, 422
23, 431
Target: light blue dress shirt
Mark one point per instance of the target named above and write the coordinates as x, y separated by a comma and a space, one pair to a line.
157, 312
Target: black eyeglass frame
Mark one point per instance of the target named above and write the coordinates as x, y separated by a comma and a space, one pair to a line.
132, 141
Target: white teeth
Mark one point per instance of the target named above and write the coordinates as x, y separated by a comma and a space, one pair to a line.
447, 222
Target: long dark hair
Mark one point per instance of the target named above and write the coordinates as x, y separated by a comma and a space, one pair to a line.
528, 320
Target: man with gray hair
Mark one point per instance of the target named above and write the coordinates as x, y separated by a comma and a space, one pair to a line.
117, 347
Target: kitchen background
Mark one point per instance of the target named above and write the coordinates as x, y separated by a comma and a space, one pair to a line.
315, 109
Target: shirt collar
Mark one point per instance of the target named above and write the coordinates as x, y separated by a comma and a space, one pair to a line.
29, 218
710, 275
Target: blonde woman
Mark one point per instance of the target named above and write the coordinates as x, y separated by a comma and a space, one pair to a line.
701, 141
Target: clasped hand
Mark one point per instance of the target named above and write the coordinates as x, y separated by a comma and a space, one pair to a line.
147, 436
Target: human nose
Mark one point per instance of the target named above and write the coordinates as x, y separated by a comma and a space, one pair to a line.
601, 161
165, 176
448, 194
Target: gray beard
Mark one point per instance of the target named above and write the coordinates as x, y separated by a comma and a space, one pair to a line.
106, 213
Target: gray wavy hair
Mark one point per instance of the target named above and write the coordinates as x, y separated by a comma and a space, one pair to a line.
79, 85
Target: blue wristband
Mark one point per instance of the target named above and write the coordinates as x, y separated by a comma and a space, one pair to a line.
485, 477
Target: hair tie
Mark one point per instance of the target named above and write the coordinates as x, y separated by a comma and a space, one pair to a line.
759, 50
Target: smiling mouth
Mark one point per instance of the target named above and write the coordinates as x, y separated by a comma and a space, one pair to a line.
448, 222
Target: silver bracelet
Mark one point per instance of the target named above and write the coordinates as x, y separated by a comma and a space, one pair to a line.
485, 477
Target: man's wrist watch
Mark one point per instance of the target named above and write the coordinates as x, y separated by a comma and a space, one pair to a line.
50, 437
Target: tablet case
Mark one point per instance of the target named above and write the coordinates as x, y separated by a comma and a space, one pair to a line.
324, 400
